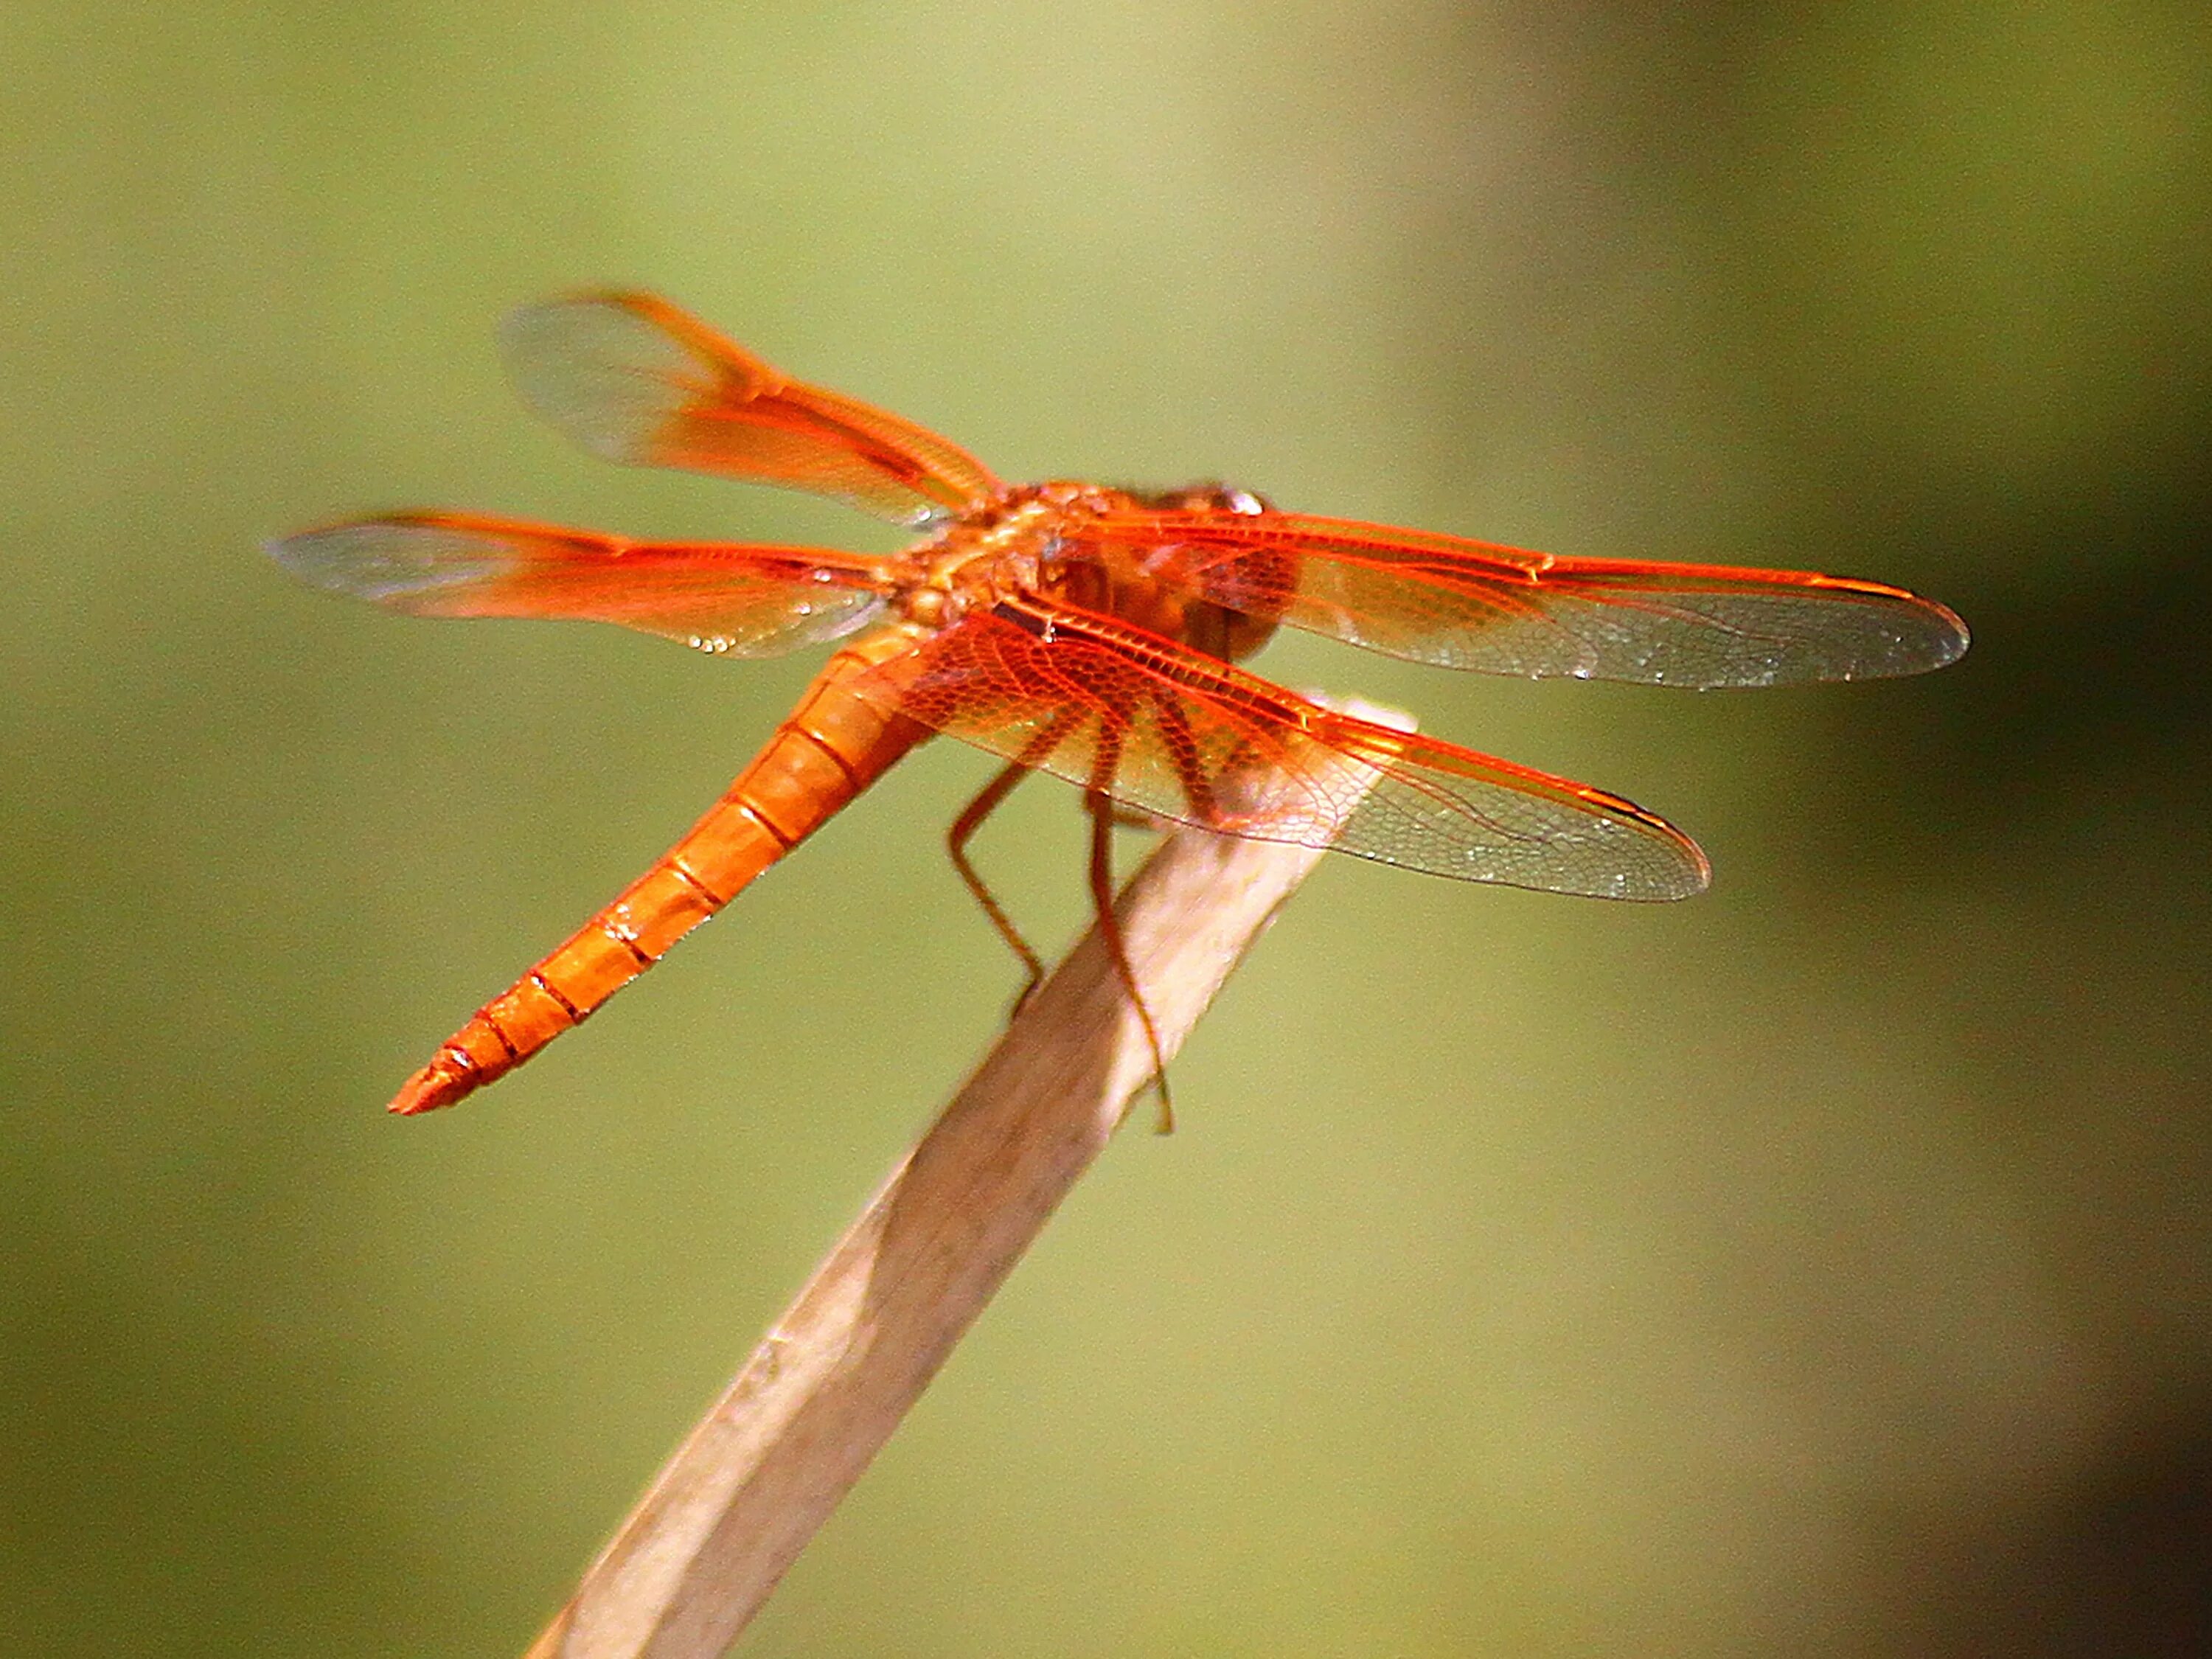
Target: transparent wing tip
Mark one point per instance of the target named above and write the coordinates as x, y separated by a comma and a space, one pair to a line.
601, 369
1692, 874
1909, 634
321, 558
383, 560
1952, 637
1636, 856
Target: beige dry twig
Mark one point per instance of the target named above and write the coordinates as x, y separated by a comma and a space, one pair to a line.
825, 1390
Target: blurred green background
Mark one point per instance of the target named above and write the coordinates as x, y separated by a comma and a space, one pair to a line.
1818, 1268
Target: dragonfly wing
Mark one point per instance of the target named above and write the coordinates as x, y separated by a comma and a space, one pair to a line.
1184, 736
633, 379
1462, 603
743, 600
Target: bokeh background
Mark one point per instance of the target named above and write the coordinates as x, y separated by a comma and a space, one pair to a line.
1820, 1267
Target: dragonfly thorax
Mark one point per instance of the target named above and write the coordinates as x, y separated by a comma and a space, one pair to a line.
1068, 541
995, 552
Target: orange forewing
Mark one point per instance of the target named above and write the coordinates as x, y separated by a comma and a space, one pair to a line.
633, 379
1463, 604
744, 600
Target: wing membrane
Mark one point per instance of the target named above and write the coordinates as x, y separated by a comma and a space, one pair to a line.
744, 600
1170, 731
1462, 603
633, 379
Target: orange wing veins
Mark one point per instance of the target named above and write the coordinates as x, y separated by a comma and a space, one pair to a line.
1192, 738
717, 597
1462, 603
633, 379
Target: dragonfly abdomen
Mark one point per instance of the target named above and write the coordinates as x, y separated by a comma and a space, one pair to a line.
831, 747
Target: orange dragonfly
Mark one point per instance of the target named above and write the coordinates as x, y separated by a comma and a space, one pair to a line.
1067, 628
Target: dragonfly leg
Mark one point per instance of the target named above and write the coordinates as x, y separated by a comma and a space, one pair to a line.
1103, 815
956, 843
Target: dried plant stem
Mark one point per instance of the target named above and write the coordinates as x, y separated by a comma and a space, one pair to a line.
823, 1392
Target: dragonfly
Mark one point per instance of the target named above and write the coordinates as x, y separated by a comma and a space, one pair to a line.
1091, 632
